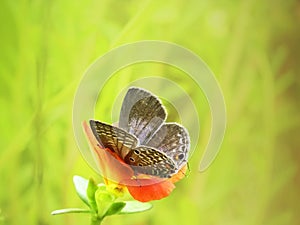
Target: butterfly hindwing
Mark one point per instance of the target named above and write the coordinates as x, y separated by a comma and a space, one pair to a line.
173, 140
141, 114
150, 161
113, 138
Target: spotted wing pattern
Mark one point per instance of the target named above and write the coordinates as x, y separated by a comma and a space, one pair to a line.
142, 159
114, 138
173, 140
141, 114
150, 161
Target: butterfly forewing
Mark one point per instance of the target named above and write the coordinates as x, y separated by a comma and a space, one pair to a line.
150, 161
133, 95
173, 140
141, 114
113, 138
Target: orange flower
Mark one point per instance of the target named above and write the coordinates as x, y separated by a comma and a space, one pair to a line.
143, 187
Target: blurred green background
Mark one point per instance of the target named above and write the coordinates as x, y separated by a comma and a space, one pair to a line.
252, 47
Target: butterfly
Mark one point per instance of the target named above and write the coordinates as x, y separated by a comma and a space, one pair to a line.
143, 138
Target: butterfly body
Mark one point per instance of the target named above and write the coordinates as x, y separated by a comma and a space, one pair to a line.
143, 140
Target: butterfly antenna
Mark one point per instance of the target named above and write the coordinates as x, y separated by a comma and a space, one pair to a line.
188, 171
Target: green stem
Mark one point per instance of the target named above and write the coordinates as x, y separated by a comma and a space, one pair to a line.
95, 220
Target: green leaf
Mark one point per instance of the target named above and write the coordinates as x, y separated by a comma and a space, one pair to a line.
81, 185
104, 201
70, 210
90, 191
115, 208
135, 206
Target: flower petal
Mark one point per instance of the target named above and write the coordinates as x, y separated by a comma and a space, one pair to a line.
141, 190
147, 188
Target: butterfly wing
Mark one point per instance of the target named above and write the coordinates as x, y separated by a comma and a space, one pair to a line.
150, 161
113, 138
141, 114
173, 140
133, 95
